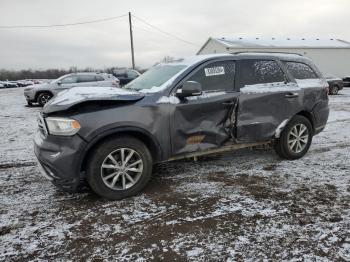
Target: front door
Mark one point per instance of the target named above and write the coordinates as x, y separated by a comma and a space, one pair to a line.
268, 99
202, 122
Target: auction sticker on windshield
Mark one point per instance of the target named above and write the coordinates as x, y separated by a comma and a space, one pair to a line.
214, 71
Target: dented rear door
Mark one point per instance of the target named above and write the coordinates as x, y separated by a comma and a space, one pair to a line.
267, 99
205, 121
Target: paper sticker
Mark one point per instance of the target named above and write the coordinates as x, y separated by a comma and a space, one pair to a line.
214, 71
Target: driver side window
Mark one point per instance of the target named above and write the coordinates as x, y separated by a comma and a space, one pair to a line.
217, 76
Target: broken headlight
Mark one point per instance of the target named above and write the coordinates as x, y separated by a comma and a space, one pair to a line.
62, 126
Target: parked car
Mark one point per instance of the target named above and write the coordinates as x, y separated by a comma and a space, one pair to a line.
346, 81
196, 106
9, 84
24, 83
335, 84
1, 85
126, 75
42, 93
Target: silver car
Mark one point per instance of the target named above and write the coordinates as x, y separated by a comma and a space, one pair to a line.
42, 93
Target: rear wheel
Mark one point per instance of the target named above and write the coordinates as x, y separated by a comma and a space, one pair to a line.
295, 139
119, 168
43, 98
334, 90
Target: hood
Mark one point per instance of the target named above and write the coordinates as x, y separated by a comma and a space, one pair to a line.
71, 97
30, 87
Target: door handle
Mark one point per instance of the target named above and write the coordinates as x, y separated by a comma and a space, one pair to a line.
291, 95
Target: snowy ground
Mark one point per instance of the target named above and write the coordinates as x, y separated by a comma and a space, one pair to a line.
246, 205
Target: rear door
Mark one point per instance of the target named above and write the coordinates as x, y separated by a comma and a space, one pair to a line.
268, 98
202, 122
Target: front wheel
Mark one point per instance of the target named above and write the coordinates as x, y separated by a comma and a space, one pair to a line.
43, 98
119, 168
295, 139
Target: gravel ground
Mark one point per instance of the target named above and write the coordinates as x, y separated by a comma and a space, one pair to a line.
243, 205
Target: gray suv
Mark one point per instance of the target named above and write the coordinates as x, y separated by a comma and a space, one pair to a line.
42, 93
185, 108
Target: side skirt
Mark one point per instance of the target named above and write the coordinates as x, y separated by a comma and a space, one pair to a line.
227, 147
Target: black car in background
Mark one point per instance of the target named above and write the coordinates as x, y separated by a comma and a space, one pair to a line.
335, 84
126, 75
346, 81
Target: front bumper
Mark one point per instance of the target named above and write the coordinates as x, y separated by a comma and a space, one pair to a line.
29, 95
59, 159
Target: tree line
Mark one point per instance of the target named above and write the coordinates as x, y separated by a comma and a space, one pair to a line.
13, 75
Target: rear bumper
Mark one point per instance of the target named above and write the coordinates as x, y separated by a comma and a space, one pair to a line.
59, 159
321, 113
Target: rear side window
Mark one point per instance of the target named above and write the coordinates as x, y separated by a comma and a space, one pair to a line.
216, 76
253, 72
300, 70
86, 78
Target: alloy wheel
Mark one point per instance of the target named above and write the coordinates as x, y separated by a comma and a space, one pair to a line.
298, 137
122, 169
44, 99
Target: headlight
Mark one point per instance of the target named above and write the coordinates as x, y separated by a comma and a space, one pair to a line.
62, 126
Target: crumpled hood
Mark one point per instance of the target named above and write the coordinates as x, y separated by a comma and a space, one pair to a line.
70, 97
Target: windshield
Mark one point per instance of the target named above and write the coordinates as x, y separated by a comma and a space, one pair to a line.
155, 77
58, 79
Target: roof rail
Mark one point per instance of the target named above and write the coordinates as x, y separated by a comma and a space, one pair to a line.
268, 52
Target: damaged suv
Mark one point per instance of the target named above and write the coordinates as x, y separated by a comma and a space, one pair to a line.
200, 105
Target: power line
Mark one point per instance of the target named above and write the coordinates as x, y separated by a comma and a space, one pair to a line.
63, 25
164, 32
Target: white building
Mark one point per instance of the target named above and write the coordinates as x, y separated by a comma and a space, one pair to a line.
330, 55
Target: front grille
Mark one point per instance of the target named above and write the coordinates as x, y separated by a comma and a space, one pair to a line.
42, 125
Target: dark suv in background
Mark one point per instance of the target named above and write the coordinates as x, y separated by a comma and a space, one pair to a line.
185, 108
125, 75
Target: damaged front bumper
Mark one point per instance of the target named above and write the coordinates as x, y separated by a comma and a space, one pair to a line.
59, 159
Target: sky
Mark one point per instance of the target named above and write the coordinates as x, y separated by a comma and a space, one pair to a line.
106, 44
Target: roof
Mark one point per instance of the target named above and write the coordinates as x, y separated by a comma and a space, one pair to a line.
257, 42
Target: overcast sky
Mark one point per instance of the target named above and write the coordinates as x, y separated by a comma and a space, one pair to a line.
107, 43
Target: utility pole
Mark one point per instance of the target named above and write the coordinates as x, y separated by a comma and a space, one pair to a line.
132, 43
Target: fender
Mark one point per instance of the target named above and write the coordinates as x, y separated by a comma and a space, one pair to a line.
115, 130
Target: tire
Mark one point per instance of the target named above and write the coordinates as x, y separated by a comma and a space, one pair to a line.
117, 183
43, 98
334, 90
289, 146
29, 103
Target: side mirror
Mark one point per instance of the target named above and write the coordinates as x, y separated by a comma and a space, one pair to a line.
59, 83
189, 88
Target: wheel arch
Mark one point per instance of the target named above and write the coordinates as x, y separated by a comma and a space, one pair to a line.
309, 116
138, 133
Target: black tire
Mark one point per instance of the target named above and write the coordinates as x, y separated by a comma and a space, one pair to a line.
282, 147
100, 155
333, 90
43, 98
29, 103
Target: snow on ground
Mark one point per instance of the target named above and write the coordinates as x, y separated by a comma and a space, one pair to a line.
243, 205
